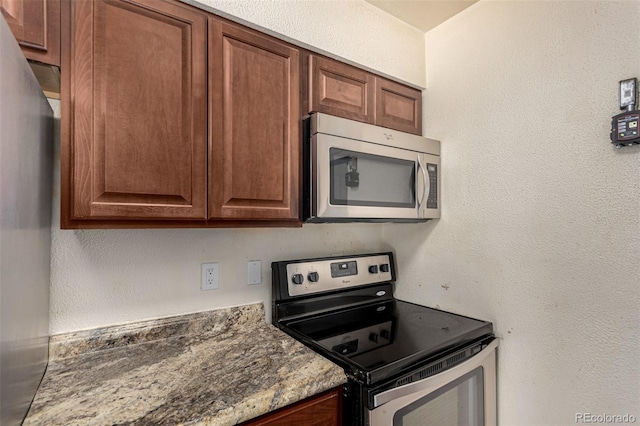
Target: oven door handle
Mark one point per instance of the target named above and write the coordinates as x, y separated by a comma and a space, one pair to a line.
424, 185
438, 380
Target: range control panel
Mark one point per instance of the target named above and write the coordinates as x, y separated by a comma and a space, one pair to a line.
318, 276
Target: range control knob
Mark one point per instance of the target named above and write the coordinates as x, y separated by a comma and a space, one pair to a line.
373, 269
373, 337
313, 277
385, 334
384, 267
297, 279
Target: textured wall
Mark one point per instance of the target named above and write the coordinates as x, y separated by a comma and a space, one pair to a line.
540, 228
349, 29
103, 277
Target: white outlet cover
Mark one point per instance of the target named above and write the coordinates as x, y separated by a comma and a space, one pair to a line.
210, 274
254, 272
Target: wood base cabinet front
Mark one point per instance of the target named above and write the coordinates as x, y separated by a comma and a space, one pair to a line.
36, 26
254, 146
134, 111
320, 410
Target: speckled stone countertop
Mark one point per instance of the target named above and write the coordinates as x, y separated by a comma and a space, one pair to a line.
214, 368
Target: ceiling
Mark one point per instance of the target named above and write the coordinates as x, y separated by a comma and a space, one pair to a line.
422, 14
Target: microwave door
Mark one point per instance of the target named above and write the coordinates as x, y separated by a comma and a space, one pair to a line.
361, 180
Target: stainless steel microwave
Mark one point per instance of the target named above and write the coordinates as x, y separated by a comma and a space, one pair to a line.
357, 172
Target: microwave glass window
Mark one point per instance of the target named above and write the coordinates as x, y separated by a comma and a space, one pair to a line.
460, 402
360, 179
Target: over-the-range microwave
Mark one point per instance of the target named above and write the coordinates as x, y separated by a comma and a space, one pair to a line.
357, 172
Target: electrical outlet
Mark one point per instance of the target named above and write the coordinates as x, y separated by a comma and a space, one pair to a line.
210, 276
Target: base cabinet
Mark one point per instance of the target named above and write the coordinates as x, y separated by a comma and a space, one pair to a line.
320, 410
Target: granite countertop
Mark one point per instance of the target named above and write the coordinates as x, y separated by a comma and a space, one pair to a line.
214, 368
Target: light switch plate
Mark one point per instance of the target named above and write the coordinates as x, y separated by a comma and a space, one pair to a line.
254, 272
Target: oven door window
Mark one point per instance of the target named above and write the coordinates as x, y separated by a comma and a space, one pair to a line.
360, 179
460, 402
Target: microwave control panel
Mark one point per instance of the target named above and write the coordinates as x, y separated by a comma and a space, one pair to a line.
432, 199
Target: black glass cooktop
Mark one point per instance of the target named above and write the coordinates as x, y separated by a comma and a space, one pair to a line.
382, 339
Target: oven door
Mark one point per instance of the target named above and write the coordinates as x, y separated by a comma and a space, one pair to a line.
352, 179
464, 395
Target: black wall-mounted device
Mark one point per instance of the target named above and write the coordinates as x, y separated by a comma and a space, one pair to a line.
625, 126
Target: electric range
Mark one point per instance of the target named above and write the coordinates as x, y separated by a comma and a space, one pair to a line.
404, 362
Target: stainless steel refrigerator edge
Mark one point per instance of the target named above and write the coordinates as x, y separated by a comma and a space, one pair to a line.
26, 152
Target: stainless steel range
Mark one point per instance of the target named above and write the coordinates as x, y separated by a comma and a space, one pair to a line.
407, 364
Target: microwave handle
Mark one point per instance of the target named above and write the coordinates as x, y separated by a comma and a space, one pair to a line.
424, 184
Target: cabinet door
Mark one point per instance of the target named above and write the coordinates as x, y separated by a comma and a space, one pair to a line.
254, 147
36, 26
340, 89
136, 147
321, 410
398, 107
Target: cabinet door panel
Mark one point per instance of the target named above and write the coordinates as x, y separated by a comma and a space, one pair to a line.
398, 107
340, 89
320, 410
139, 110
255, 129
36, 26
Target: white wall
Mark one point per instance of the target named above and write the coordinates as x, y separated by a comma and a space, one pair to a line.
540, 228
107, 277
353, 30
104, 277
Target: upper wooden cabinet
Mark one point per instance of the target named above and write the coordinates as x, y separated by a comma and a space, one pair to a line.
135, 116
36, 26
398, 107
339, 89
171, 121
174, 117
343, 90
254, 135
